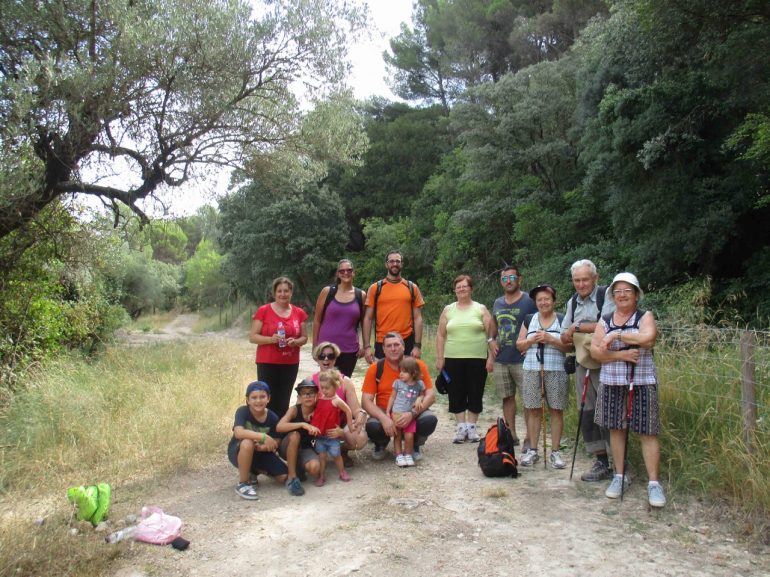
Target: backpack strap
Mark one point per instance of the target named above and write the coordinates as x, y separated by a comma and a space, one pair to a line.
600, 294
329, 299
639, 313
574, 306
380, 369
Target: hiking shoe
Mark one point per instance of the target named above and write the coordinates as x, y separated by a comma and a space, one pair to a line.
294, 487
614, 490
417, 454
246, 491
556, 461
409, 460
461, 434
378, 454
598, 472
472, 434
529, 458
401, 460
655, 495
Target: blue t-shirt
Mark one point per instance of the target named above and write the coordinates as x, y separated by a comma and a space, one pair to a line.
509, 318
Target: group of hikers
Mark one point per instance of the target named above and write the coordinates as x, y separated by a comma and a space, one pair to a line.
522, 340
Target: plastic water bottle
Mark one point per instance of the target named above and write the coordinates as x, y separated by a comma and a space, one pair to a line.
281, 332
122, 535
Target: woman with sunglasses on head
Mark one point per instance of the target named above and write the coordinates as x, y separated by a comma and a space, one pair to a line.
326, 354
339, 311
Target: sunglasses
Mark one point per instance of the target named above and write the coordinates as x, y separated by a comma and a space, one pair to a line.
345, 271
327, 357
510, 277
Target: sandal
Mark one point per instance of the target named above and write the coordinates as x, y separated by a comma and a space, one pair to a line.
344, 476
320, 482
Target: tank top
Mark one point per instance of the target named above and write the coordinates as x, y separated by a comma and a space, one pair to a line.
326, 416
340, 325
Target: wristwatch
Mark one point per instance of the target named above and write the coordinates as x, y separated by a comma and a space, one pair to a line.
577, 326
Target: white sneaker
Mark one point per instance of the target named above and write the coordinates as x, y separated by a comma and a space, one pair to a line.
556, 461
655, 495
461, 434
614, 490
529, 458
472, 433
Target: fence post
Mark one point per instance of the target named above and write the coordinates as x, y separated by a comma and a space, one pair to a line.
748, 388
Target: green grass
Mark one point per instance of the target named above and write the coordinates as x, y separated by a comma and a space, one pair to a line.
125, 418
152, 323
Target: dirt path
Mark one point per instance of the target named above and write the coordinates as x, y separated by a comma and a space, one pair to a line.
441, 517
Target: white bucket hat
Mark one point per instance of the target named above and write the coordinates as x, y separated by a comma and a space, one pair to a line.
628, 277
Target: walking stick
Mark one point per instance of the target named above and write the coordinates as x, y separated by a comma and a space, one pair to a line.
628, 429
580, 422
541, 358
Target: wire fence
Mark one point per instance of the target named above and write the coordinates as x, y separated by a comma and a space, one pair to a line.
706, 372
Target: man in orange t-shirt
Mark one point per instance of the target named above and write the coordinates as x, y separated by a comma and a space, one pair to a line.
380, 427
397, 308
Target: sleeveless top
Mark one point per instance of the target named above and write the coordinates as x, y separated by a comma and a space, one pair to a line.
326, 416
553, 358
305, 440
619, 372
340, 325
466, 337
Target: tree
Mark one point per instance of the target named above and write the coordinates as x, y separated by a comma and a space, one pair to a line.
203, 281
153, 88
272, 228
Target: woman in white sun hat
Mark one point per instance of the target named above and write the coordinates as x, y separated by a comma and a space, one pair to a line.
623, 343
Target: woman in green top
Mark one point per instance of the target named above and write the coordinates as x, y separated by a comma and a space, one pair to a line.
463, 350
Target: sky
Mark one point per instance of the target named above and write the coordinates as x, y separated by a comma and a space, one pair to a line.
367, 79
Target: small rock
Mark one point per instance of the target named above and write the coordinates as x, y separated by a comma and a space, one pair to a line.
102, 527
74, 532
131, 519
40, 521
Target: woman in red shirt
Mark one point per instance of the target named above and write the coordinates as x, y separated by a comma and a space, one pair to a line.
278, 329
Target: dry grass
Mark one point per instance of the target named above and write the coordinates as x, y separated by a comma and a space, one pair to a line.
125, 418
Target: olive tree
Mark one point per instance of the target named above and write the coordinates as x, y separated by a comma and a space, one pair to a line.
153, 89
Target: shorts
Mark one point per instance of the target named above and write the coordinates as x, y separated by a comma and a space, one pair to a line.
612, 406
305, 455
266, 463
410, 428
507, 378
556, 394
328, 445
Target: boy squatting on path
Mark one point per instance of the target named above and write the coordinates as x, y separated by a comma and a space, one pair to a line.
327, 416
254, 442
406, 389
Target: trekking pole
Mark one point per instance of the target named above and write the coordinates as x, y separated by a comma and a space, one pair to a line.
580, 422
541, 358
628, 429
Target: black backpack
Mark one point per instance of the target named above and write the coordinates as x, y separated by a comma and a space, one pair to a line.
496, 451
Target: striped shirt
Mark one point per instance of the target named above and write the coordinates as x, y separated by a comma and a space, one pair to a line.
619, 372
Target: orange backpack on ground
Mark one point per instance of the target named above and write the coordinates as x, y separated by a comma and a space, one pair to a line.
496, 451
